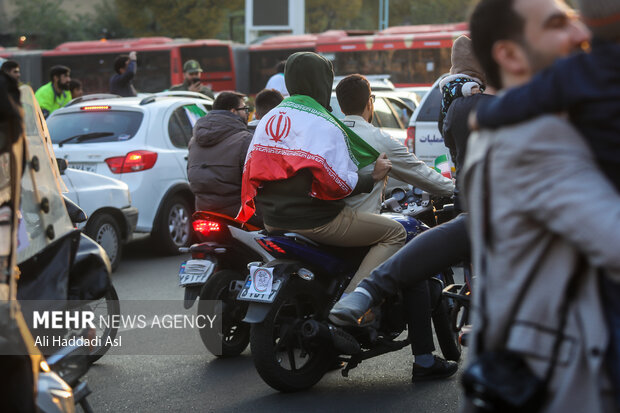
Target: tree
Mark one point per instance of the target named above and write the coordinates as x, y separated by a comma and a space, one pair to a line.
42, 20
195, 19
324, 15
406, 12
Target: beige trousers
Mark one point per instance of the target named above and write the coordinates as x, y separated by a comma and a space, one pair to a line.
358, 229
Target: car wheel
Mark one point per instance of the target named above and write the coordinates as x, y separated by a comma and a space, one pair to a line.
104, 229
173, 229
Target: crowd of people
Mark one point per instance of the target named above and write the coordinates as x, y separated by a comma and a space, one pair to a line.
536, 193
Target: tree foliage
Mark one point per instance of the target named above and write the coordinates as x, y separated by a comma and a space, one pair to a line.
195, 19
324, 15
46, 24
43, 20
405, 12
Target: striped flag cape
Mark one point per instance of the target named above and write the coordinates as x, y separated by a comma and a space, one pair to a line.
301, 134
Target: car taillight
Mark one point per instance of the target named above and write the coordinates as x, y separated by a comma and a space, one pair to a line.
95, 107
135, 161
205, 227
410, 140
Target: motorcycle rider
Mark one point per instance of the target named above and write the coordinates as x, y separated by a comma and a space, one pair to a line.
427, 254
216, 153
357, 103
299, 169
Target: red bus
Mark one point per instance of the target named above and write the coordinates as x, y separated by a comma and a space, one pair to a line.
265, 55
411, 55
160, 62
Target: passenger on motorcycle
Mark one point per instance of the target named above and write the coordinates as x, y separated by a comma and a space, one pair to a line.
299, 169
216, 154
357, 103
430, 252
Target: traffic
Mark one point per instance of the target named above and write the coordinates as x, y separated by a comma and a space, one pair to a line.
314, 216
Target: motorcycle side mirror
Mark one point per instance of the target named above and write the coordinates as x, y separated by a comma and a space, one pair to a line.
75, 212
398, 194
62, 165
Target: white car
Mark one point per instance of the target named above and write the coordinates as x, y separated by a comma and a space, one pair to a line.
107, 204
423, 135
391, 113
141, 141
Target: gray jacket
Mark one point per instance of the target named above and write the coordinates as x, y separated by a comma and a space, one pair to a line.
216, 156
548, 202
406, 168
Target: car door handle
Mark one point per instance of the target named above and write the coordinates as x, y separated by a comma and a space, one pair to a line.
186, 156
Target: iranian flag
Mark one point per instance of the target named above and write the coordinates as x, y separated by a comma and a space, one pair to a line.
301, 134
442, 165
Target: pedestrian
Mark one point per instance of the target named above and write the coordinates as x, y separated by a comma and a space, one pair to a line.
55, 94
587, 85
75, 87
191, 79
125, 67
265, 100
277, 80
465, 79
217, 153
11, 68
537, 299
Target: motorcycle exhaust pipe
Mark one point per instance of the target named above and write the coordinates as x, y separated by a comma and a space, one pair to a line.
342, 341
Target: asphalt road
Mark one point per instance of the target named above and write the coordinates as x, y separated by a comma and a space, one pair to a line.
204, 383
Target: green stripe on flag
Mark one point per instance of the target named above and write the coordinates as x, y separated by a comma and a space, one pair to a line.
361, 153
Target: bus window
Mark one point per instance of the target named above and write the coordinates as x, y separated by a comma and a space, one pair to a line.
153, 71
95, 70
405, 66
211, 58
263, 63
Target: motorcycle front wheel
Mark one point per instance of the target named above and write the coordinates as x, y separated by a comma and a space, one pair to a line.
282, 358
108, 306
235, 334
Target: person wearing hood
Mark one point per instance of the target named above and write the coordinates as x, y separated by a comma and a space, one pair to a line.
466, 78
216, 155
303, 161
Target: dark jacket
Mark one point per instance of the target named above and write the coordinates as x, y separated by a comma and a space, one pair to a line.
122, 84
287, 203
215, 161
456, 133
185, 86
587, 85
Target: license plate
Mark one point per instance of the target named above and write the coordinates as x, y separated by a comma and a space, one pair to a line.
249, 292
90, 167
195, 272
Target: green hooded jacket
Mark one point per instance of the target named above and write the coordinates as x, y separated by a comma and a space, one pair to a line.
287, 203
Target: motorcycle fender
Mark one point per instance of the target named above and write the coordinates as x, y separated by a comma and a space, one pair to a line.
191, 293
256, 313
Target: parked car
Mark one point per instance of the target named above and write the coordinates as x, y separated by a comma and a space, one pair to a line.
423, 135
141, 141
107, 204
391, 113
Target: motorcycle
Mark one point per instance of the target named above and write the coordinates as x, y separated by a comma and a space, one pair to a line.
293, 345
216, 271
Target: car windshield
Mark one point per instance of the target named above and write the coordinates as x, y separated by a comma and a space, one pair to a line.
103, 126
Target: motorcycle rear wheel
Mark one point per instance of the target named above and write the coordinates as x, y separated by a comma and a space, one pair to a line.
447, 336
235, 334
281, 357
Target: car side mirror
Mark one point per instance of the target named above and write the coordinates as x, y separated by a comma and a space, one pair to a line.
62, 165
75, 212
